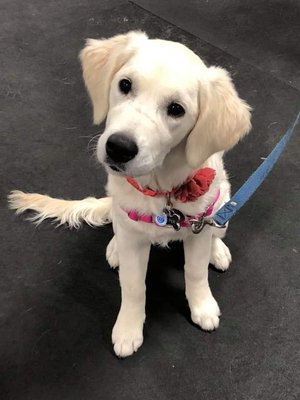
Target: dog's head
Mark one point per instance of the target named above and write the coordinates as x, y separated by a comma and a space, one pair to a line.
155, 94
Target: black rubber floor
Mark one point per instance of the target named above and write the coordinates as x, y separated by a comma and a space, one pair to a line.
58, 297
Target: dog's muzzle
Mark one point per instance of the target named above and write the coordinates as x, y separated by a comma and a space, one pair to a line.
120, 148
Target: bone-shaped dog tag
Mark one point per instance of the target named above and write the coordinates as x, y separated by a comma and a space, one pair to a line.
174, 218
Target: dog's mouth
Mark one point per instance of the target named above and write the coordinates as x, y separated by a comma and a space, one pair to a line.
131, 168
122, 170
116, 168
127, 169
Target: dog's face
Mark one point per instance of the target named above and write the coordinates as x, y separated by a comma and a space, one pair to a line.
153, 105
155, 94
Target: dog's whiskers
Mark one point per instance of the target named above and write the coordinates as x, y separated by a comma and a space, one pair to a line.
91, 144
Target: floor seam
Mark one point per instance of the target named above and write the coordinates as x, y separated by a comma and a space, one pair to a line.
215, 46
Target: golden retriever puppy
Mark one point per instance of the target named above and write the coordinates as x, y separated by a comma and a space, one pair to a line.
169, 118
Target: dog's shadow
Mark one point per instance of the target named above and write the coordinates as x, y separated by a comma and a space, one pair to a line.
165, 282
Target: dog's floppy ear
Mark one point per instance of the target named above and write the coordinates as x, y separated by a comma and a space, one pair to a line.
223, 118
101, 59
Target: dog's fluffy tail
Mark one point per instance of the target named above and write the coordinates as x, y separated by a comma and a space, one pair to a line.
95, 212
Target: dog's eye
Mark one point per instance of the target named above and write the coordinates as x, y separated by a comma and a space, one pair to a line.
175, 110
125, 86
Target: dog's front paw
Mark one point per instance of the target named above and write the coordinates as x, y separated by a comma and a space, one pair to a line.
220, 254
112, 255
206, 314
127, 338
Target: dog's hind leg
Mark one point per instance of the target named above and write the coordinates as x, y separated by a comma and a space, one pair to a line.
112, 255
220, 255
95, 212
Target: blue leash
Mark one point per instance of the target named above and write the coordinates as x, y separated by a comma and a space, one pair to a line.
254, 181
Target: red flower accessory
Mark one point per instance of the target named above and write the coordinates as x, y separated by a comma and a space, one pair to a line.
191, 190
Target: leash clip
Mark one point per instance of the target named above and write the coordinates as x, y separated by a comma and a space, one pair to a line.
197, 225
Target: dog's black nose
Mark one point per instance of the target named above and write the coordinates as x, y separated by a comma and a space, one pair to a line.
120, 148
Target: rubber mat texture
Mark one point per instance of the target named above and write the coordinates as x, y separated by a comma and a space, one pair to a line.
58, 297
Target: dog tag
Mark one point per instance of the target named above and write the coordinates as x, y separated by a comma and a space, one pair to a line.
174, 217
161, 219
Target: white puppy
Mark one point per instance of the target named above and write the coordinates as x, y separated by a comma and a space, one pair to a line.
167, 116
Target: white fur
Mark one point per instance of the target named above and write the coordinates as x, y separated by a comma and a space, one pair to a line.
170, 150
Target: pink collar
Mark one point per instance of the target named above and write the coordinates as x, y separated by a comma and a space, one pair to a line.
154, 219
